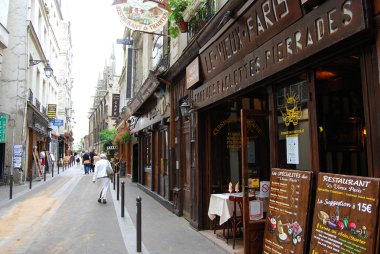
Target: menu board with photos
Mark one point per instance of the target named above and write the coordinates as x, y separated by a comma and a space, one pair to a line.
286, 222
345, 214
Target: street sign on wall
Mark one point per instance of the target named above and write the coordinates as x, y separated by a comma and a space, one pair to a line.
128, 42
58, 122
3, 128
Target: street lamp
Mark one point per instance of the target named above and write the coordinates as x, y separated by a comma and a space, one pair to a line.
48, 70
185, 107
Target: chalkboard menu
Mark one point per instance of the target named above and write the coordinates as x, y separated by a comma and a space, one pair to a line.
345, 214
287, 217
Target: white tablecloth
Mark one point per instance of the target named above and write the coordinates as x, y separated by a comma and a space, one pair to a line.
221, 205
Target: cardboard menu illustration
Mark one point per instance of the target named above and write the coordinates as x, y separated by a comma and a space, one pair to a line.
287, 216
345, 214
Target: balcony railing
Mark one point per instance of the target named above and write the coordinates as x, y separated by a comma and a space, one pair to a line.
38, 104
203, 15
44, 111
30, 98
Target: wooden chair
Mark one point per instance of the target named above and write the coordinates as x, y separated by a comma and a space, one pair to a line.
236, 219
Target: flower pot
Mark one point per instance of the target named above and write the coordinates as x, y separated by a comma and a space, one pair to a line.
182, 26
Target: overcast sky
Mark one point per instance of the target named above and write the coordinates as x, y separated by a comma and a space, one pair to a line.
95, 27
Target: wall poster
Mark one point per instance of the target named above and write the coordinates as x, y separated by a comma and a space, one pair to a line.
287, 216
345, 214
292, 152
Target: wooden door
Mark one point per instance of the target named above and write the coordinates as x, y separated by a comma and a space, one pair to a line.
186, 170
255, 164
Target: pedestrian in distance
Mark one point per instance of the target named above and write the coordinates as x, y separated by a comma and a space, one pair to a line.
86, 163
92, 154
77, 159
103, 173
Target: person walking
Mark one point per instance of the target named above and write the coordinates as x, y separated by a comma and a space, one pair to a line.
102, 175
86, 162
92, 154
77, 159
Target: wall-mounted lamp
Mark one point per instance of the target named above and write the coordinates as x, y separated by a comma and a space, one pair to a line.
48, 70
186, 107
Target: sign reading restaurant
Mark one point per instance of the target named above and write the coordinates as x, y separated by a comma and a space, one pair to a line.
268, 37
345, 214
142, 15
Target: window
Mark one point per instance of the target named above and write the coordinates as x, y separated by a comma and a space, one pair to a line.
147, 151
340, 112
293, 125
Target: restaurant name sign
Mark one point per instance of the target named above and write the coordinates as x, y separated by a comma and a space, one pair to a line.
269, 37
141, 15
115, 104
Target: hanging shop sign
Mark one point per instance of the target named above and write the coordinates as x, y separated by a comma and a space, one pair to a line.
289, 198
112, 148
259, 44
52, 110
140, 15
115, 105
345, 214
3, 128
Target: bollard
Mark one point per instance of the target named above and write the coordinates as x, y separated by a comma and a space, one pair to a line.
52, 171
10, 186
122, 198
117, 186
30, 179
138, 225
114, 180
44, 174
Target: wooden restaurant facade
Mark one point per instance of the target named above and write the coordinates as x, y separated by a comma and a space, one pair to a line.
292, 84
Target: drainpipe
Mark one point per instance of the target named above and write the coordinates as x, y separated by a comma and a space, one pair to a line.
24, 125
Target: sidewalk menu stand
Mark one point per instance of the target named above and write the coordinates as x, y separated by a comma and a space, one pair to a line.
288, 213
345, 215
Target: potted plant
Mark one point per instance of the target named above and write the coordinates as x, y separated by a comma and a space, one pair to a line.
125, 138
177, 24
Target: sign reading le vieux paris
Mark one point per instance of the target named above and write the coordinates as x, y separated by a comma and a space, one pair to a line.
142, 15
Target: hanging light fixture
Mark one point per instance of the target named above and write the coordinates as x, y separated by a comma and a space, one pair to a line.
48, 70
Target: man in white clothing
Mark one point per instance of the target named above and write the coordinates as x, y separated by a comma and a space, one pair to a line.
101, 176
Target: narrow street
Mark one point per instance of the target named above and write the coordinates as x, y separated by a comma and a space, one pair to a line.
61, 216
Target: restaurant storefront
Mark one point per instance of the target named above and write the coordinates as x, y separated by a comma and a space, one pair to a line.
149, 147
38, 138
292, 86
